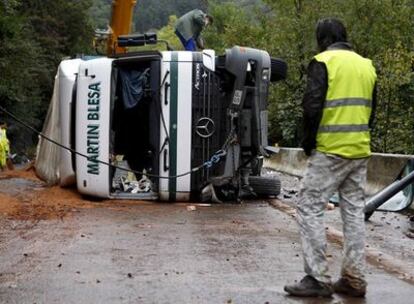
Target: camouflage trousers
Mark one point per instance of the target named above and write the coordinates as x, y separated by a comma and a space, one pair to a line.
325, 174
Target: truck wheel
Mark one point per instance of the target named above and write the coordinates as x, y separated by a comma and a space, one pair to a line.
265, 186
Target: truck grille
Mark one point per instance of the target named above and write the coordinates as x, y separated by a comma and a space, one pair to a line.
208, 122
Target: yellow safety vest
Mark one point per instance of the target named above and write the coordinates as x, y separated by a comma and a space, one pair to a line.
344, 129
4, 148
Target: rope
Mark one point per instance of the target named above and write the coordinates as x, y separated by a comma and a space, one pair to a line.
214, 159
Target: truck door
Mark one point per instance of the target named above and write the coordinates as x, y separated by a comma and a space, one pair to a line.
92, 126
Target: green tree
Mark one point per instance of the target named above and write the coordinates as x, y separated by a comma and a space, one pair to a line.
380, 30
34, 37
20, 66
61, 28
383, 31
100, 13
167, 33
154, 14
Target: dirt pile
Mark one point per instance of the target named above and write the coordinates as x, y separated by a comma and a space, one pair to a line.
24, 197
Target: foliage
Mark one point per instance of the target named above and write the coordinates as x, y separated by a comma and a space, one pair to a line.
164, 35
63, 28
34, 37
380, 30
167, 33
60, 28
20, 66
394, 131
148, 14
100, 13
154, 14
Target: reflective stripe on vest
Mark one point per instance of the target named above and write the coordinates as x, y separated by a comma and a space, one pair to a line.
343, 129
348, 102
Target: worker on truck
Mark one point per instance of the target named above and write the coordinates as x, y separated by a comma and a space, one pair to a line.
189, 27
338, 110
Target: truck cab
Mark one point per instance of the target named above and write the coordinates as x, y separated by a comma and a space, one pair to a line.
172, 125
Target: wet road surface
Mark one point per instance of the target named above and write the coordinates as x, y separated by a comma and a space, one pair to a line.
133, 252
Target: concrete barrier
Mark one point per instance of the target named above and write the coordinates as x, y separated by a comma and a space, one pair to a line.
383, 169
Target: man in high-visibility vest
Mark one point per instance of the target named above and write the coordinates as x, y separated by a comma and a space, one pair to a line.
4, 148
338, 106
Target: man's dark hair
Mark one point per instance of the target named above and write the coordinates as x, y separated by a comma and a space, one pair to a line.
210, 19
328, 31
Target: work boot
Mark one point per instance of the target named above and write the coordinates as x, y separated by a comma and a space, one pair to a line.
309, 287
343, 286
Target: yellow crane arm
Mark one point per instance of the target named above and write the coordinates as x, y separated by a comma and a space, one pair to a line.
121, 20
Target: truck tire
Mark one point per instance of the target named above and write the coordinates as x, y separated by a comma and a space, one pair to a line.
265, 186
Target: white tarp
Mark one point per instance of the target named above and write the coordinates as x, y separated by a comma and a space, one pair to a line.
47, 153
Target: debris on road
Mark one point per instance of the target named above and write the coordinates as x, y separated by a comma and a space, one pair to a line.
330, 206
410, 230
204, 205
20, 201
191, 208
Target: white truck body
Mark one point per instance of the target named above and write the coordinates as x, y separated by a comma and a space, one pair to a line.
163, 114
68, 70
91, 82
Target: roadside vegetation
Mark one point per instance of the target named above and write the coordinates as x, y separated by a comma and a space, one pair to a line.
35, 35
382, 30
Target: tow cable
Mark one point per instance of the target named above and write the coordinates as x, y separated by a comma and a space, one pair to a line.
216, 158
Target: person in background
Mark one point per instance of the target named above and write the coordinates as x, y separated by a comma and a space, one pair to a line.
189, 27
5, 159
338, 106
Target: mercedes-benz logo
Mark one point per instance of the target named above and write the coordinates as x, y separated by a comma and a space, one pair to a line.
205, 127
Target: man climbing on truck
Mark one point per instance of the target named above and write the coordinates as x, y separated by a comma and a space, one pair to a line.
189, 27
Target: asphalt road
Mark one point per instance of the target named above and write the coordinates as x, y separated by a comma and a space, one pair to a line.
131, 252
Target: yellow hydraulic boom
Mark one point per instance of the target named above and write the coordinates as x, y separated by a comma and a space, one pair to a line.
121, 21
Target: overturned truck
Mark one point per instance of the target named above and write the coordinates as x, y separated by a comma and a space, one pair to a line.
171, 125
